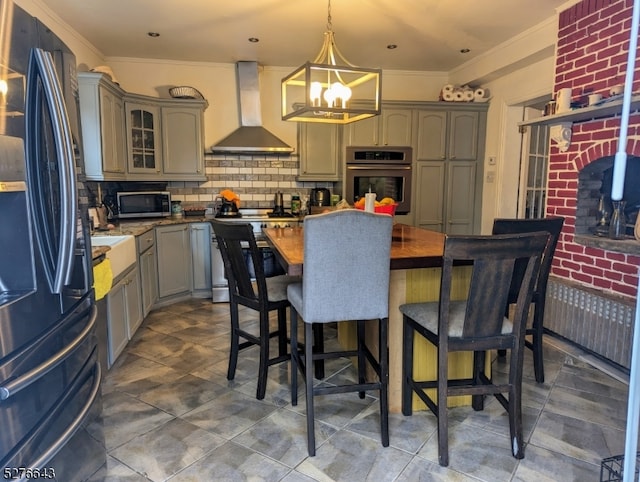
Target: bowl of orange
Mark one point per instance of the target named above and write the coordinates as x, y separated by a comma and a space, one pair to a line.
386, 205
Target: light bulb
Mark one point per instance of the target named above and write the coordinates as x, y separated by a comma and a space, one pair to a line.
315, 91
4, 87
330, 96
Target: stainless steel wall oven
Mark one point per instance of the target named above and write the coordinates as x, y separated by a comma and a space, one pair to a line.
385, 171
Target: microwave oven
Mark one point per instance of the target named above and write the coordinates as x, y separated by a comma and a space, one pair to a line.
144, 204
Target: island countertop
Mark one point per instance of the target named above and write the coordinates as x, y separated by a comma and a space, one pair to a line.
411, 247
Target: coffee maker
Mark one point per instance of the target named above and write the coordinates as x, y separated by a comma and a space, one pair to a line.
320, 197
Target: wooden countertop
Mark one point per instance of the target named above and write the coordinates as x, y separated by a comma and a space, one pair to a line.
411, 247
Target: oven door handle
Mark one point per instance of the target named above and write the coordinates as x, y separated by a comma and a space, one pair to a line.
380, 167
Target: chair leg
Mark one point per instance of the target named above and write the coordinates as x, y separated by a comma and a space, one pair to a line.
477, 401
538, 358
407, 367
515, 403
443, 422
234, 342
361, 358
293, 320
282, 331
383, 355
318, 344
263, 368
308, 364
318, 341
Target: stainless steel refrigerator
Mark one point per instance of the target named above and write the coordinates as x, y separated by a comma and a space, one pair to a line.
50, 395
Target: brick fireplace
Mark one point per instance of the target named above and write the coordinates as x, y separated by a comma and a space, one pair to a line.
592, 291
592, 47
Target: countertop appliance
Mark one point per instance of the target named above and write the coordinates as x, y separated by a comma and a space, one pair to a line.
144, 204
259, 219
50, 397
320, 196
225, 208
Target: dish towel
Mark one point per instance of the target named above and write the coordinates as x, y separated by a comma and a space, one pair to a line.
102, 278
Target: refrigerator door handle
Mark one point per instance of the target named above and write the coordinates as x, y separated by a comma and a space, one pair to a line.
14, 385
42, 68
75, 424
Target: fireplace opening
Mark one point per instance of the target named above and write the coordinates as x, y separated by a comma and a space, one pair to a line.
594, 206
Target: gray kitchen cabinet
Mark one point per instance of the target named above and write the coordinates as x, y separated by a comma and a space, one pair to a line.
148, 270
319, 149
103, 131
124, 312
393, 127
174, 260
447, 134
182, 141
429, 194
201, 259
144, 147
448, 152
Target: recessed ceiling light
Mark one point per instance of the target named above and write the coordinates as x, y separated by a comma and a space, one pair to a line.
153, 34
392, 46
254, 40
465, 51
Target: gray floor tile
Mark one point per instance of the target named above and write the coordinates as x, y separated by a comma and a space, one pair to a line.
171, 414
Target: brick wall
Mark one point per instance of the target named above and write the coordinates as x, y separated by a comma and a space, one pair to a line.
592, 49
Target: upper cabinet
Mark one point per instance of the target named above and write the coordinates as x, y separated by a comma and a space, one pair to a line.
391, 128
183, 138
143, 139
103, 131
319, 148
139, 138
446, 135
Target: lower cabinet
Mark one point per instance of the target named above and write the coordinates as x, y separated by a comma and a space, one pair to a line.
124, 312
446, 196
173, 245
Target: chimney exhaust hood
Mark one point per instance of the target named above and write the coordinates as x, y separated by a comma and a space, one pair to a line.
250, 137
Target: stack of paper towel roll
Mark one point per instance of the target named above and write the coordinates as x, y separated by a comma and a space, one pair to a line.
455, 93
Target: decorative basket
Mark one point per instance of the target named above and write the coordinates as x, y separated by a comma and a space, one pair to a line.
185, 93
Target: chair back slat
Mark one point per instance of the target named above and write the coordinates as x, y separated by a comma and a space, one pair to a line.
234, 240
346, 266
494, 260
553, 225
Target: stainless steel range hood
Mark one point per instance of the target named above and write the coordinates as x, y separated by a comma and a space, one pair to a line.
250, 137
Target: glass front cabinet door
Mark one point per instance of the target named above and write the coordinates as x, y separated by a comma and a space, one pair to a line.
144, 139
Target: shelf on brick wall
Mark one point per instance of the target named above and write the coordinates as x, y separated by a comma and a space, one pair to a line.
584, 114
627, 246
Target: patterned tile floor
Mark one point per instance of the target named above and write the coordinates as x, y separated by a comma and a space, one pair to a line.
171, 414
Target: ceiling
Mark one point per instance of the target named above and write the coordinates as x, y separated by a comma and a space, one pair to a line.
429, 34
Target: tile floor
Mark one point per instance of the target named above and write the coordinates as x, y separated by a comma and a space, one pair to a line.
171, 414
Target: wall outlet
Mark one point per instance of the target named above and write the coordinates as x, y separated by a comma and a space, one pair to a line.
492, 160
491, 176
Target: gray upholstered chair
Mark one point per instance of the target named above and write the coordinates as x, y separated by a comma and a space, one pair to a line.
475, 325
251, 288
345, 277
553, 225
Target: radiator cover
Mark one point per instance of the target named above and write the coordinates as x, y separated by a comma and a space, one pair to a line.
602, 324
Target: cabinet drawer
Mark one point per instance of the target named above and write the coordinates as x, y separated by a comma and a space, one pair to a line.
146, 240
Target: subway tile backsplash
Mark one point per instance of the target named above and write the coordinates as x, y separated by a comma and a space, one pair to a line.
255, 178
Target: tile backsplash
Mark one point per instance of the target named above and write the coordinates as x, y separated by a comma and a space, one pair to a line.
255, 178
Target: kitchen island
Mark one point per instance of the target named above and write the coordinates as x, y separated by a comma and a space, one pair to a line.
416, 259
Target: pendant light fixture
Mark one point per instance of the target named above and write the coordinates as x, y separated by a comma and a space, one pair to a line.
331, 89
